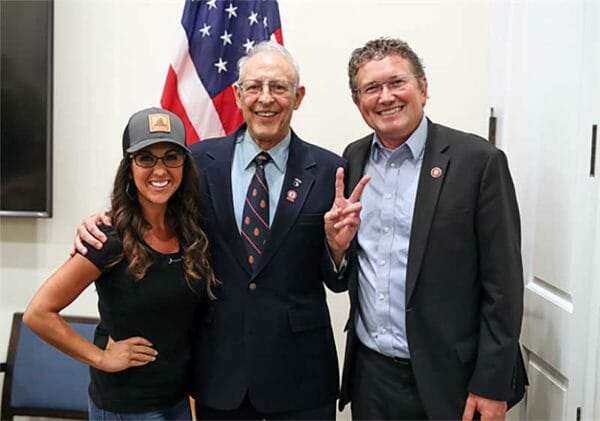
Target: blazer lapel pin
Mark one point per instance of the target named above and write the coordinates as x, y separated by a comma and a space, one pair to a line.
291, 195
436, 172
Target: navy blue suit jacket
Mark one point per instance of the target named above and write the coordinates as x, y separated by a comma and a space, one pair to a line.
268, 333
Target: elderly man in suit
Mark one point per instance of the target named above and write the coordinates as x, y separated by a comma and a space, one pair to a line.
435, 273
265, 347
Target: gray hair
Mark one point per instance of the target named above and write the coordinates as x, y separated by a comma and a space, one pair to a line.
378, 49
269, 46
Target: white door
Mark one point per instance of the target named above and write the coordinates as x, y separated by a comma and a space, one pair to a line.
543, 52
591, 400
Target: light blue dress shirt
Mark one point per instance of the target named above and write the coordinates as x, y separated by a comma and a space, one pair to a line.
242, 171
383, 238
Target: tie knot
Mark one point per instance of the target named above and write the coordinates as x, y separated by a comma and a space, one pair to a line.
261, 159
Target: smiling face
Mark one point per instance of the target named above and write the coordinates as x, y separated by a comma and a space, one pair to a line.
156, 185
268, 114
393, 113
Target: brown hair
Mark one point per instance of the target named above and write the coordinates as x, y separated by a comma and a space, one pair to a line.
183, 215
378, 49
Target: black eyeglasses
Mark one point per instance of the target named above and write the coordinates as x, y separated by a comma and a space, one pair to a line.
170, 159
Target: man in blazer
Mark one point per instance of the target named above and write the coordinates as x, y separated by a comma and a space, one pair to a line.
435, 273
265, 347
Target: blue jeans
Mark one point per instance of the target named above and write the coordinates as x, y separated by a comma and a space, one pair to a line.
179, 411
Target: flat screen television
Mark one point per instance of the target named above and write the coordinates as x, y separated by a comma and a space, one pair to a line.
26, 29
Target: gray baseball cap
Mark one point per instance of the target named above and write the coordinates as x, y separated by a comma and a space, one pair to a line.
150, 126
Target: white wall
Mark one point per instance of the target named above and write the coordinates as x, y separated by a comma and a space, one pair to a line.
111, 59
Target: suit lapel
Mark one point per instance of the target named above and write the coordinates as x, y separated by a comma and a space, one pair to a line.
219, 184
299, 162
357, 162
430, 184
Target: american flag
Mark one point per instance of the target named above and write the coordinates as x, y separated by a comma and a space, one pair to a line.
214, 35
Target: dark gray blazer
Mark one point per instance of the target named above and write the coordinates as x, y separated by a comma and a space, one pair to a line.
464, 282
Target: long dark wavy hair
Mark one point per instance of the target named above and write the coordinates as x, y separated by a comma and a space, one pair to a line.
183, 216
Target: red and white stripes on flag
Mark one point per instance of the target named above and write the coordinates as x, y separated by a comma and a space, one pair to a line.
214, 35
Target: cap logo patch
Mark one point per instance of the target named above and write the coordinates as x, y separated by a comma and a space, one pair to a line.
159, 122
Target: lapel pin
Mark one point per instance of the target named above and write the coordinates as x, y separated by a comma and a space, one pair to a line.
436, 172
291, 196
297, 182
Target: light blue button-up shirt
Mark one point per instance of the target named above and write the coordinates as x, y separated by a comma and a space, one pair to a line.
383, 237
242, 170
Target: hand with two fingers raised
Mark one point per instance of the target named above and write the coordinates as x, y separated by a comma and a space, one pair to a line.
343, 219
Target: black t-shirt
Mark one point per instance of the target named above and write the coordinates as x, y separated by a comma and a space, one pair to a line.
160, 307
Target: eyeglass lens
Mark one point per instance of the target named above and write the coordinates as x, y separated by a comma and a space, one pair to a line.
170, 160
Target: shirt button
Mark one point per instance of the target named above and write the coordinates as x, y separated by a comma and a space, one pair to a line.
382, 263
383, 330
393, 165
381, 297
387, 196
252, 286
386, 229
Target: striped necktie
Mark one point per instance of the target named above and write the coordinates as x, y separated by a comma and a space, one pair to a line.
255, 218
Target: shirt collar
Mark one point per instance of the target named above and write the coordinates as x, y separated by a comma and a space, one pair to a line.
415, 143
249, 149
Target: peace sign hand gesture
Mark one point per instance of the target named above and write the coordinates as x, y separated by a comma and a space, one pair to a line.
343, 219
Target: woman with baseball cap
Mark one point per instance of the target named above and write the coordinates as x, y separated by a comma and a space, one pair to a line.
151, 276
